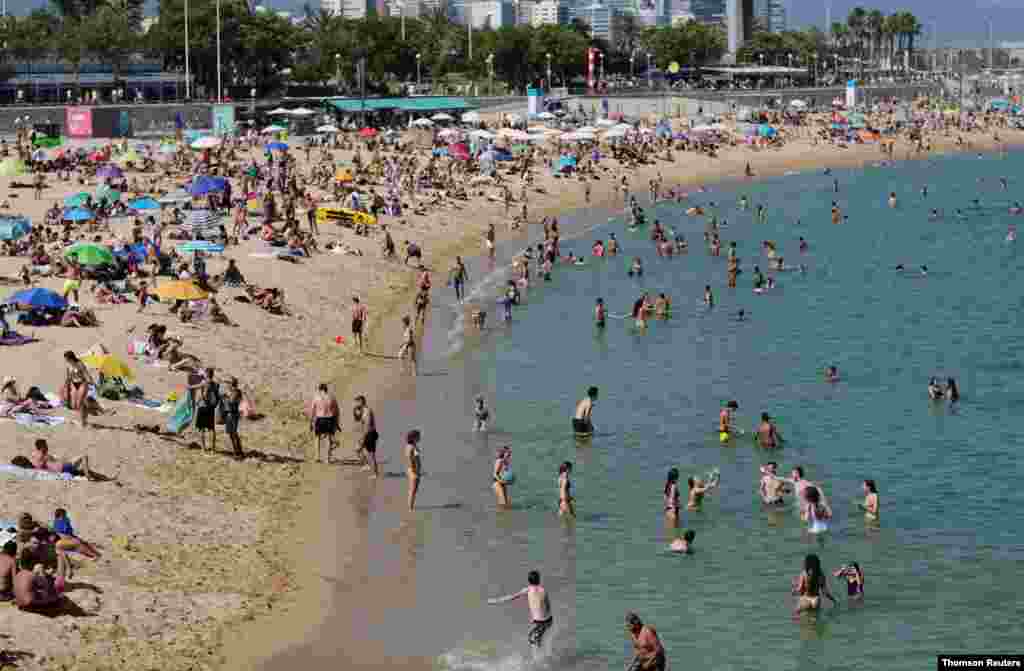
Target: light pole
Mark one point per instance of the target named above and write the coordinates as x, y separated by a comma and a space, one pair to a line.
632, 60
815, 57
836, 59
188, 80
550, 84
337, 72
490, 69
220, 90
401, 8
650, 81
419, 78
600, 65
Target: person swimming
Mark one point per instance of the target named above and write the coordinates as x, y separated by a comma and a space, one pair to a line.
698, 488
934, 390
709, 298
831, 374
684, 543
640, 311
637, 268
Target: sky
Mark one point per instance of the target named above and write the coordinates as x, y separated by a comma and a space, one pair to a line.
957, 24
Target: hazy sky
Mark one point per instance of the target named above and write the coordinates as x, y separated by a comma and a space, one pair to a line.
956, 23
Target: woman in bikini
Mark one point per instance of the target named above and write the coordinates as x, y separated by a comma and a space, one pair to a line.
414, 465
76, 385
566, 501
854, 580
815, 512
810, 585
870, 505
500, 474
671, 493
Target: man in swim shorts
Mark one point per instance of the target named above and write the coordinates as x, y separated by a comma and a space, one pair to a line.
366, 427
581, 420
649, 654
725, 420
772, 486
358, 320
539, 604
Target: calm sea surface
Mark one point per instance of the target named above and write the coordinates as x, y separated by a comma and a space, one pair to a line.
944, 567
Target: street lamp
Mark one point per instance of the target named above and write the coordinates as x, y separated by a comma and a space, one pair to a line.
600, 63
419, 78
836, 58
632, 60
549, 70
815, 57
490, 68
337, 72
650, 82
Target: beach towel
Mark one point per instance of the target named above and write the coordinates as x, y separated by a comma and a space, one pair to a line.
16, 339
18, 473
182, 416
27, 419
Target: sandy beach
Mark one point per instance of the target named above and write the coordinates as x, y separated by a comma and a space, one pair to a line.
208, 562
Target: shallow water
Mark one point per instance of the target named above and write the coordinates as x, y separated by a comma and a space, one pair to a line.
941, 568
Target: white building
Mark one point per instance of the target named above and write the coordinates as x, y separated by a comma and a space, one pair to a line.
490, 13
550, 12
598, 17
349, 9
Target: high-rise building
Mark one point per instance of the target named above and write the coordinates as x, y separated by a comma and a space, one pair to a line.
708, 11
490, 13
350, 9
599, 17
777, 16
550, 12
457, 11
739, 23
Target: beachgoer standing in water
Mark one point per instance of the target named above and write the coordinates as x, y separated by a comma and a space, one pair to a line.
725, 420
671, 494
414, 465
366, 428
772, 488
582, 422
358, 321
501, 473
539, 604
599, 314
649, 654
323, 414
871, 504
810, 585
566, 502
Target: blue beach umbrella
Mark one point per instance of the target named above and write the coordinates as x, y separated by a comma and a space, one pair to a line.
277, 146
144, 203
78, 214
203, 185
12, 228
137, 252
37, 298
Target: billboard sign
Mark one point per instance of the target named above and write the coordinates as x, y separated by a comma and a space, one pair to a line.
78, 122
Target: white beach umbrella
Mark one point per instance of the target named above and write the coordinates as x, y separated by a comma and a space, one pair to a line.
514, 117
623, 127
483, 135
328, 128
546, 115
278, 111
179, 196
423, 122
587, 129
471, 117
441, 116
449, 132
615, 133
208, 142
798, 104
302, 111
606, 122
274, 129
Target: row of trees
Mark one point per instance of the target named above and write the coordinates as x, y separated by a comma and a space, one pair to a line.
264, 50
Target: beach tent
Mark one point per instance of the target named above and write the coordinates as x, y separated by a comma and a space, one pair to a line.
37, 298
12, 167
13, 228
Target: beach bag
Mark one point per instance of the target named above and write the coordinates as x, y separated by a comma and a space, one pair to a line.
182, 415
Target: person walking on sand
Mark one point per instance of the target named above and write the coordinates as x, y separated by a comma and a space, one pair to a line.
323, 414
459, 278
366, 428
648, 653
359, 314
414, 465
408, 347
539, 605
232, 411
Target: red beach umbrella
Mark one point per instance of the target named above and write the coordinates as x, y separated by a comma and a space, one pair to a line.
368, 132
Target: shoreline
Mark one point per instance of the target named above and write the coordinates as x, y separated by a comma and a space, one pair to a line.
270, 644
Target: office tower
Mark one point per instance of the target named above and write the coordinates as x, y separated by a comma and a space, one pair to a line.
550, 12
490, 13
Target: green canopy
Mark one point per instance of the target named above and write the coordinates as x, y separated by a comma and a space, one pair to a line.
89, 254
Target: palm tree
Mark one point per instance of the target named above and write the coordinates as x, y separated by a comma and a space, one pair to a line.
875, 23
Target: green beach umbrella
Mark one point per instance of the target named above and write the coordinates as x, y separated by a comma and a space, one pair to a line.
89, 254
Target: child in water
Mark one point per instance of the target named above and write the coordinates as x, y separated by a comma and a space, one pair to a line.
684, 544
854, 580
637, 269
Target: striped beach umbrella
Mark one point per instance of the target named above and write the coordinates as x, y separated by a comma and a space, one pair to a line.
203, 224
174, 197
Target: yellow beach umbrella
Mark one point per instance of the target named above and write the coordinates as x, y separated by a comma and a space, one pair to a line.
109, 365
179, 290
343, 175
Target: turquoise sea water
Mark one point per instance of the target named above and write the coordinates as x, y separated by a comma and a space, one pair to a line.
942, 568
